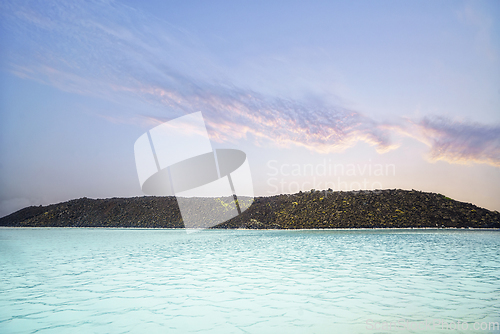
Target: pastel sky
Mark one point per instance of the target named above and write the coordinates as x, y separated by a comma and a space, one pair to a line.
319, 94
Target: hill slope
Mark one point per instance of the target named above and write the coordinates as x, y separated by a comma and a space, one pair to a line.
315, 209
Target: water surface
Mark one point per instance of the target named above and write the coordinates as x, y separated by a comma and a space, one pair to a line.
240, 281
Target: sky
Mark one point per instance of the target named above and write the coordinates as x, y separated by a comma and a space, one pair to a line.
321, 94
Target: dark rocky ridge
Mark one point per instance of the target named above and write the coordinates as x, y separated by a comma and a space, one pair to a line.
314, 209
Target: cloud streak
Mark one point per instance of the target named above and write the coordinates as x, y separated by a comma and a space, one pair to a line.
233, 113
112, 51
460, 142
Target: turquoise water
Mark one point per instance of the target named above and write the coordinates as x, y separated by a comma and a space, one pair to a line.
241, 281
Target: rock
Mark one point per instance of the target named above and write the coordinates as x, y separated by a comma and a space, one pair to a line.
315, 209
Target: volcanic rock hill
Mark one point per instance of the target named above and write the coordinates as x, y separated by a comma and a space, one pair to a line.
313, 209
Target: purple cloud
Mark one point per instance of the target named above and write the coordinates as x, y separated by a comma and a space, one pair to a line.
460, 142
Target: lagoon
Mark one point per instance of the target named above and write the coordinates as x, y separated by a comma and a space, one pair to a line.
68, 280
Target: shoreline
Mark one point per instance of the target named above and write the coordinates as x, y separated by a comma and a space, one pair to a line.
254, 229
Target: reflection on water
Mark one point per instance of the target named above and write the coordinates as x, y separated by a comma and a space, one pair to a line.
239, 281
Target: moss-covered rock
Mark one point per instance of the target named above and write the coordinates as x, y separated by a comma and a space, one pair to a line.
315, 209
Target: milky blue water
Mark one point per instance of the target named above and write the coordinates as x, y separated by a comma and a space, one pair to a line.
241, 281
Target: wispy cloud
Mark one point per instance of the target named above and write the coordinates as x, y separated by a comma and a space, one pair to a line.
233, 113
113, 51
459, 141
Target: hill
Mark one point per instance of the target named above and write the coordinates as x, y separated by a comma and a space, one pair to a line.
314, 209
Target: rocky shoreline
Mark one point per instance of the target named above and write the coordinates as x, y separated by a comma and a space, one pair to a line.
305, 210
